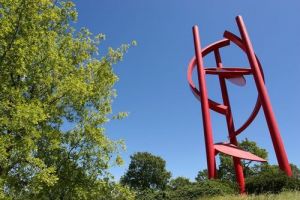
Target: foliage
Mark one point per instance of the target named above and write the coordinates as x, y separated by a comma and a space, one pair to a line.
202, 189
50, 75
190, 191
146, 171
226, 168
271, 180
179, 182
152, 194
295, 171
294, 195
202, 175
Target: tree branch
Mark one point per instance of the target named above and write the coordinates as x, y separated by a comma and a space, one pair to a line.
17, 28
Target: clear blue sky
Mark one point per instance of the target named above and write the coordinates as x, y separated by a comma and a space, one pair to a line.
165, 118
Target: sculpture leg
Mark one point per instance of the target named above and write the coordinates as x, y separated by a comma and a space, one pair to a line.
238, 168
216, 171
265, 101
210, 151
230, 126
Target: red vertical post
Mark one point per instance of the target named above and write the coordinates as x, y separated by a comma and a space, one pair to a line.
210, 151
265, 100
230, 126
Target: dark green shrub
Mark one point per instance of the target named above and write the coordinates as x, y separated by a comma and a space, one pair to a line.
179, 182
191, 191
201, 189
151, 194
271, 182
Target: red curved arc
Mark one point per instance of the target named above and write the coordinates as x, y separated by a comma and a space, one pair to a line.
235, 39
216, 45
205, 51
191, 66
212, 104
238, 41
220, 108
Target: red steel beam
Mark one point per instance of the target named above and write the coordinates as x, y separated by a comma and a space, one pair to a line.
230, 126
265, 100
210, 151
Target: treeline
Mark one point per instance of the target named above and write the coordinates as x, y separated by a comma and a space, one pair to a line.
148, 177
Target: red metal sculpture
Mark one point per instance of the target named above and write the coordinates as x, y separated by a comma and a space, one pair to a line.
236, 76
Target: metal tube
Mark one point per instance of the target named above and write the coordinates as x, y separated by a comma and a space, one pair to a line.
210, 151
230, 126
265, 100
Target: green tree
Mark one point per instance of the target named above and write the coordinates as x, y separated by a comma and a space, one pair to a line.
52, 74
202, 175
179, 182
275, 168
295, 171
146, 171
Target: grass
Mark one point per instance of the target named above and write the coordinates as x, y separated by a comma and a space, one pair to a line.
282, 196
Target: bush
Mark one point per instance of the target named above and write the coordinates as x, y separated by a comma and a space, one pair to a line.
201, 189
179, 182
271, 182
151, 194
191, 191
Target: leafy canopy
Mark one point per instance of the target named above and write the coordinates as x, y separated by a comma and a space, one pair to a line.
179, 182
52, 74
146, 171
